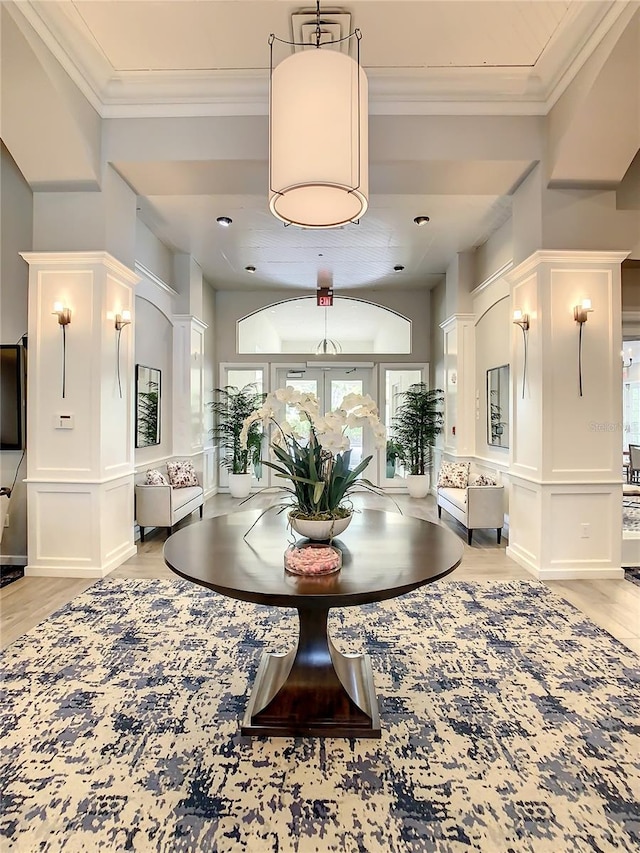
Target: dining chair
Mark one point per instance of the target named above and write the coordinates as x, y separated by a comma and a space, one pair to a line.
634, 463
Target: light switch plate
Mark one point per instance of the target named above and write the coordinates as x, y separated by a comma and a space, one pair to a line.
63, 421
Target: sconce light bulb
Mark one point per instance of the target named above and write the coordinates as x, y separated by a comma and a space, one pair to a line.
58, 307
126, 316
517, 314
586, 305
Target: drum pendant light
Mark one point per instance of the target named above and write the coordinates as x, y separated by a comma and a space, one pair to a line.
318, 140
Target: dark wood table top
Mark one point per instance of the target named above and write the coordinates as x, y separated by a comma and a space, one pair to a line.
384, 555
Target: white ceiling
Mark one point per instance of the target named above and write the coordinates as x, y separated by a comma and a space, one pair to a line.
207, 61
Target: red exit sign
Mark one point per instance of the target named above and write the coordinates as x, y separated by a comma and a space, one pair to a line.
324, 297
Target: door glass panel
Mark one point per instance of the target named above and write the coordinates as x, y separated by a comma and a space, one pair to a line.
240, 378
296, 420
396, 382
331, 385
339, 389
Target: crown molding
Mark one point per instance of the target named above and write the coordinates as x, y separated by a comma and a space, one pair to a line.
392, 91
491, 279
154, 279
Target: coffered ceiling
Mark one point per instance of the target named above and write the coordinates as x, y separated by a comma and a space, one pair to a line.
457, 95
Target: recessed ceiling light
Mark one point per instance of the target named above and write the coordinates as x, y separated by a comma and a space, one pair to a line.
225, 221
398, 268
250, 268
421, 220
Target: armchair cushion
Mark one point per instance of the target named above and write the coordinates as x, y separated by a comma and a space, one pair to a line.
182, 475
454, 475
483, 480
156, 478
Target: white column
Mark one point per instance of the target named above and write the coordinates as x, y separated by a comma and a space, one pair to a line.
565, 512
459, 402
188, 387
80, 446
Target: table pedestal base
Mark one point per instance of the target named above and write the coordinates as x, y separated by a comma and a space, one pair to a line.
313, 690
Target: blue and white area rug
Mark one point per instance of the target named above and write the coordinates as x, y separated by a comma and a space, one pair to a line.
631, 513
510, 723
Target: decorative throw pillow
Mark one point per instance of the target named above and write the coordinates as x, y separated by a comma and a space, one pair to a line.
485, 480
454, 475
182, 474
155, 478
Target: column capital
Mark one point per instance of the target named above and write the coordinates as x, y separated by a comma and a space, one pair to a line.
81, 259
568, 257
457, 318
191, 320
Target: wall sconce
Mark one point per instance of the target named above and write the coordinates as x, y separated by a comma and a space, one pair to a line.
64, 318
121, 320
580, 315
522, 320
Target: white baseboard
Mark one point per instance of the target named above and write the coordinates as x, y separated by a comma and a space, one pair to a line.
81, 572
577, 573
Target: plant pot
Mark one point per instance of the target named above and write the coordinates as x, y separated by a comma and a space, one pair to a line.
418, 485
239, 485
320, 531
391, 470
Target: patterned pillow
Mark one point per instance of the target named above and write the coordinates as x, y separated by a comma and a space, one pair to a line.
454, 475
485, 480
155, 478
182, 474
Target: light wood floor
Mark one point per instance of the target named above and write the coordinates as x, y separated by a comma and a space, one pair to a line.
613, 605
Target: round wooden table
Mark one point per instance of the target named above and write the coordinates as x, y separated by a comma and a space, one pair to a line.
313, 689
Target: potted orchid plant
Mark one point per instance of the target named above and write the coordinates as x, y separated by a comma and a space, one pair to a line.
317, 464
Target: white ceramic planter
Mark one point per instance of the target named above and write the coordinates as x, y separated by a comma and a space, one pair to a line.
239, 485
418, 485
320, 530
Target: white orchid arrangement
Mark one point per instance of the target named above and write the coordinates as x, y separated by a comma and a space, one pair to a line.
318, 466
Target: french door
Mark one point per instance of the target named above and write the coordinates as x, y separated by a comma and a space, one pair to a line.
330, 385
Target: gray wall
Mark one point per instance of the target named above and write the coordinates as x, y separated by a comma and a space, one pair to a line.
16, 232
493, 331
232, 306
154, 348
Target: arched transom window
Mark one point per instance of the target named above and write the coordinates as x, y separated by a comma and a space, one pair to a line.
298, 326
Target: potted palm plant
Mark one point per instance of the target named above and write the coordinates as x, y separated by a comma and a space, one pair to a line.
417, 422
231, 407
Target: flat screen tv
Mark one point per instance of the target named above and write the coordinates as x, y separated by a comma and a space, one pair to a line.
11, 397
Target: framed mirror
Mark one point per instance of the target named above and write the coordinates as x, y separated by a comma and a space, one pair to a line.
147, 406
498, 406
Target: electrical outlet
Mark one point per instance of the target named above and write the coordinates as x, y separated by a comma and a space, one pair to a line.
586, 528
